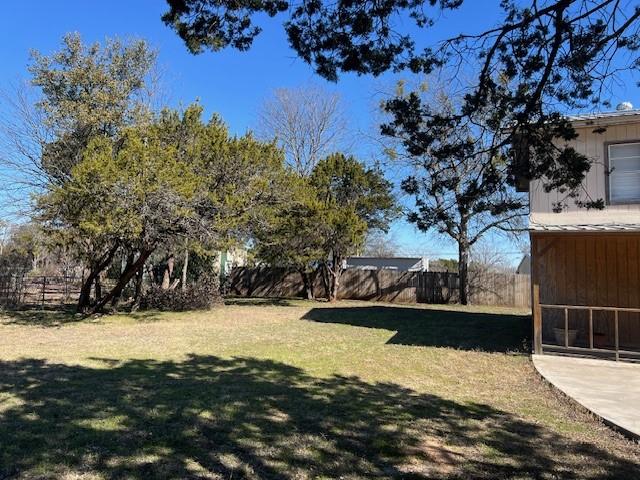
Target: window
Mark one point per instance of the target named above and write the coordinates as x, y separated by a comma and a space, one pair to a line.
624, 176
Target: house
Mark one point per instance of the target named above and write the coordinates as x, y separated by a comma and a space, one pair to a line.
586, 263
229, 259
400, 264
524, 267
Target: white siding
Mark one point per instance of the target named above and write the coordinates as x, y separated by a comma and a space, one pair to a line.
593, 145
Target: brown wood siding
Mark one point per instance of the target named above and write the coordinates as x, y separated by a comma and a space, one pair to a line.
589, 270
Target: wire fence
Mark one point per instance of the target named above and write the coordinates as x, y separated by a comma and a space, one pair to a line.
31, 290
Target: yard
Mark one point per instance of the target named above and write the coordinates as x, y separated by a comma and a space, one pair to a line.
284, 390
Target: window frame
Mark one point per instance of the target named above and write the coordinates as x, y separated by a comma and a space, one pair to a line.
607, 183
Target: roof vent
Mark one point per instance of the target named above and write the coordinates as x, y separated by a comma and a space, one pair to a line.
624, 107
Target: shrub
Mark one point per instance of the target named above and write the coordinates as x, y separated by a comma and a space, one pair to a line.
202, 295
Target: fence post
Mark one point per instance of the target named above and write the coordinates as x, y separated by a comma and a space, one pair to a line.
44, 286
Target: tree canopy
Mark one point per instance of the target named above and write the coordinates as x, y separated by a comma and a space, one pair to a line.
152, 185
458, 178
327, 219
88, 90
540, 59
292, 237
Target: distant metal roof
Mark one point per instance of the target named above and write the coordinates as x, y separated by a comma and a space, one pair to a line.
385, 258
605, 227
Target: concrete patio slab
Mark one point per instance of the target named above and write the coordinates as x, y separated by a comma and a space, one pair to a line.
611, 390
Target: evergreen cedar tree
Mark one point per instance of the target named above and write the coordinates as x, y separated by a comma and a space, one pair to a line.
326, 219
121, 183
354, 200
541, 58
290, 238
89, 93
154, 185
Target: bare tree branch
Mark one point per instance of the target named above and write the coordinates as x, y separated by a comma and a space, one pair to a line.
307, 122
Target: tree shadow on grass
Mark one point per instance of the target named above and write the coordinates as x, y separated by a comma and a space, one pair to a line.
59, 315
49, 316
492, 332
208, 417
259, 301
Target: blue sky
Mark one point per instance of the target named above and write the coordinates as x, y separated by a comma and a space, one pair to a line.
230, 83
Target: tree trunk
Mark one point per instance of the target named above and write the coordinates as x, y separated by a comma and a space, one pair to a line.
95, 270
137, 296
335, 271
307, 281
97, 288
130, 260
334, 287
185, 266
124, 279
150, 273
324, 271
463, 267
84, 300
333, 296
168, 273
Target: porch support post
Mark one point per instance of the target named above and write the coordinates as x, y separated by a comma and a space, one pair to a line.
535, 297
537, 320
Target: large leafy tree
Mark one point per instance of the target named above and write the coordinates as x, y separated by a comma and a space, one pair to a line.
88, 90
354, 200
84, 92
132, 195
326, 218
540, 58
156, 185
459, 181
292, 237
114, 180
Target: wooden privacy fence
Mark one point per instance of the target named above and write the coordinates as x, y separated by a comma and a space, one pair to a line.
505, 289
387, 286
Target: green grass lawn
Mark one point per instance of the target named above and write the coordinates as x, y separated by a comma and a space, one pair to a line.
290, 390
